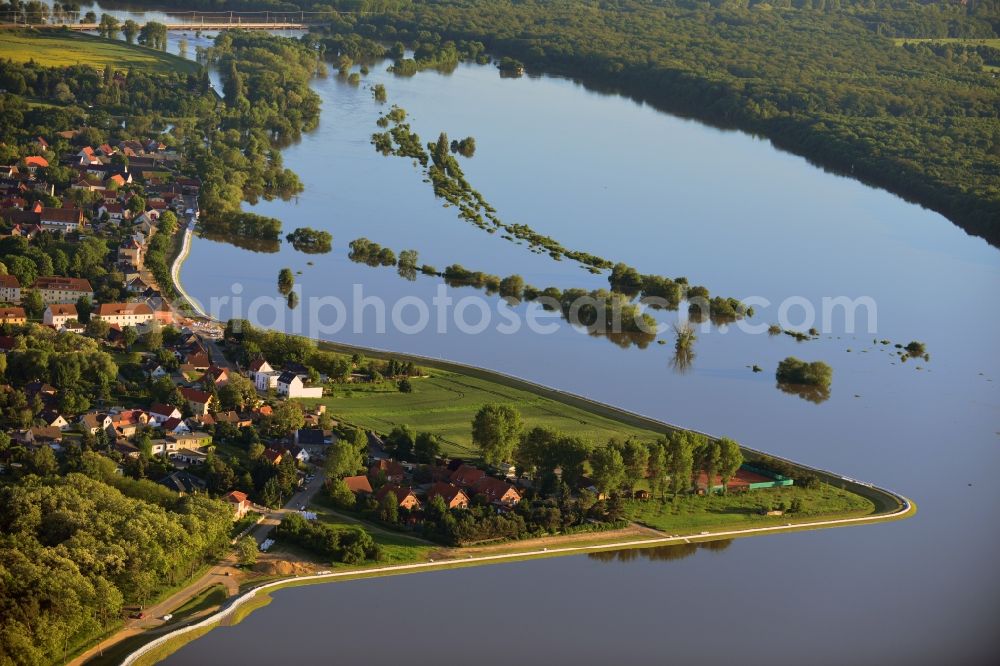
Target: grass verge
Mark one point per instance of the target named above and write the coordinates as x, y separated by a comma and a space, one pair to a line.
56, 48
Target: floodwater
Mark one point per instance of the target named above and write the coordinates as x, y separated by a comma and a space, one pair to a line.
604, 174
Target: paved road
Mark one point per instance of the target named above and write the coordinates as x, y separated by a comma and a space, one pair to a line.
299, 499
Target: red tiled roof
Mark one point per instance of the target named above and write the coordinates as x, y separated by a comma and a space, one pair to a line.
62, 309
64, 215
12, 313
447, 491
36, 161
63, 283
110, 309
194, 395
358, 484
9, 282
466, 475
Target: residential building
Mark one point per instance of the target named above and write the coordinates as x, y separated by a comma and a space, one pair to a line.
184, 483
467, 476
239, 502
63, 289
496, 491
191, 441
291, 385
405, 499
199, 401
10, 289
454, 497
359, 485
57, 314
13, 315
124, 314
61, 219
159, 413
95, 422
392, 470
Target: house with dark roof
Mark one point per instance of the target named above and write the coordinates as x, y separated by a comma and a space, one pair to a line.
184, 483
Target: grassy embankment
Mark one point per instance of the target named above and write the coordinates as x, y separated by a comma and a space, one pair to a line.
63, 49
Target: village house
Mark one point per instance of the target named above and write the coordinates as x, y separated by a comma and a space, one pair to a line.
57, 314
496, 491
158, 413
115, 212
63, 289
184, 483
13, 315
273, 456
174, 426
63, 220
199, 401
291, 385
95, 422
405, 499
359, 485
467, 476
53, 419
124, 314
238, 500
218, 376
454, 497
44, 436
263, 375
128, 422
393, 472
10, 289
191, 441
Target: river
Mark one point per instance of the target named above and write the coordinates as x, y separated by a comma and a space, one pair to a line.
669, 196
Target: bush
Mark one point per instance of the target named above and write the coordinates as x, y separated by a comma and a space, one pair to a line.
804, 373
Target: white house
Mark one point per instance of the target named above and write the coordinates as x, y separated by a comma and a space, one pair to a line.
10, 289
57, 314
292, 386
56, 289
263, 375
159, 413
124, 314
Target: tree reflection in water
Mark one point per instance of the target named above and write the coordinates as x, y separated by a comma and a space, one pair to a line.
660, 553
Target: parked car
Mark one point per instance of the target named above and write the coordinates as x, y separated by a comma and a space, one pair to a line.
138, 616
167, 617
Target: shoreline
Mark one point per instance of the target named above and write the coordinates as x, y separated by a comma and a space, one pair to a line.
905, 509
175, 272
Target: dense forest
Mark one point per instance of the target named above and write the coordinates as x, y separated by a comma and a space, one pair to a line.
821, 78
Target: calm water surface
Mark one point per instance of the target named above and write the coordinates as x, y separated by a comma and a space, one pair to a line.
669, 196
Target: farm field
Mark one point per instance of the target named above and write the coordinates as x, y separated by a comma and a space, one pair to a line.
62, 49
445, 403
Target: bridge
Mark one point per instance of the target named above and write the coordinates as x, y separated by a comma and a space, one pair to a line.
189, 27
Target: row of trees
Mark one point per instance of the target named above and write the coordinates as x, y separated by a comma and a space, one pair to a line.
671, 464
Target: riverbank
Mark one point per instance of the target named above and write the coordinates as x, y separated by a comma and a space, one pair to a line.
241, 606
175, 271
